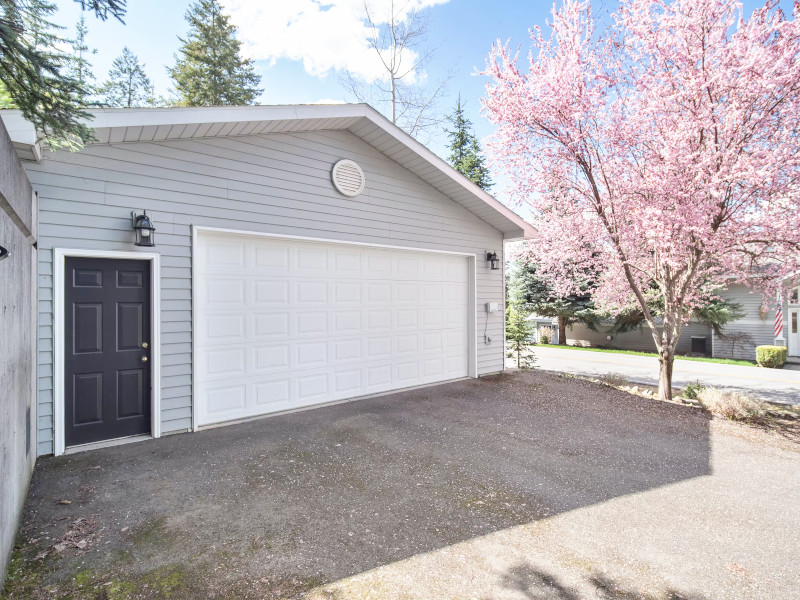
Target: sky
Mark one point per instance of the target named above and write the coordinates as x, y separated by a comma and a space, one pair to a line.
301, 47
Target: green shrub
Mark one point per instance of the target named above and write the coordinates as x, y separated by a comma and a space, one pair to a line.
692, 391
773, 357
544, 339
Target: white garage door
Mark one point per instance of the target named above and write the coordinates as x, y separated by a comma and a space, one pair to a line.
283, 324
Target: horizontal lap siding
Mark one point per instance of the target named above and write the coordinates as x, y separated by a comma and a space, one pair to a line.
640, 339
751, 330
266, 183
739, 338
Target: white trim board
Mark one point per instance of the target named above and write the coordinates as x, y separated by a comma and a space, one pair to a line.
59, 256
472, 313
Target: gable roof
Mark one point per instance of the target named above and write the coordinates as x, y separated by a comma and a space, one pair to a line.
117, 125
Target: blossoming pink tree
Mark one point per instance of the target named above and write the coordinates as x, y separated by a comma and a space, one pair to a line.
660, 153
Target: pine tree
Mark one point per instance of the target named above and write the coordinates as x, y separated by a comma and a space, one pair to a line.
519, 333
6, 101
79, 67
529, 290
210, 70
127, 85
465, 150
34, 68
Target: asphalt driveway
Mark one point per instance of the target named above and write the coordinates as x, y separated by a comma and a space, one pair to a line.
772, 385
523, 486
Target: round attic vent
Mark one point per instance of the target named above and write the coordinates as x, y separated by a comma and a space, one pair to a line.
348, 178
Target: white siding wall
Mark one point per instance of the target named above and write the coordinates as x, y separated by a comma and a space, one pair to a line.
272, 183
761, 331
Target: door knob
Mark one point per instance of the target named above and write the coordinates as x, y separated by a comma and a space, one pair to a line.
144, 345
144, 359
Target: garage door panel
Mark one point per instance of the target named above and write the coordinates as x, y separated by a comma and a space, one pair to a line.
272, 395
224, 293
268, 293
271, 257
311, 260
379, 320
379, 348
269, 359
347, 322
347, 261
311, 323
274, 325
285, 324
406, 318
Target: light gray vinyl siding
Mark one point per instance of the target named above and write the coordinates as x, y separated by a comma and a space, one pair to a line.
640, 339
740, 338
277, 183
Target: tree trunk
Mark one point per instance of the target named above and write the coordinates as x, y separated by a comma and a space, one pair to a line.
562, 331
666, 358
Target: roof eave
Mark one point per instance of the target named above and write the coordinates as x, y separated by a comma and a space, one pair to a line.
105, 120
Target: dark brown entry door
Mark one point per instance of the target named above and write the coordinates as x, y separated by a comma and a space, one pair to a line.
107, 354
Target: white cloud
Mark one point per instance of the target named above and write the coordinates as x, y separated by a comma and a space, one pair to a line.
326, 35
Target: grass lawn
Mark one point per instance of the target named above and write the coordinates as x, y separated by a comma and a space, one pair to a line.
723, 361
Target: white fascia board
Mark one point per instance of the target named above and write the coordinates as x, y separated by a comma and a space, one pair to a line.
22, 134
141, 117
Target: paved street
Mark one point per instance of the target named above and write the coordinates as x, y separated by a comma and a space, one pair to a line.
768, 384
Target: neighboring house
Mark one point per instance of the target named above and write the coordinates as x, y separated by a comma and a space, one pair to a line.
544, 326
738, 340
303, 255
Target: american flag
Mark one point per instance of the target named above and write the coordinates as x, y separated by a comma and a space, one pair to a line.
779, 319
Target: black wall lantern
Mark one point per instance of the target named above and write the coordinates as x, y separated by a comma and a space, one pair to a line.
145, 232
491, 257
3, 253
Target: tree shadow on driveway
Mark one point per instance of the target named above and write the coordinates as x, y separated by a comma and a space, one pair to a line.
274, 507
532, 583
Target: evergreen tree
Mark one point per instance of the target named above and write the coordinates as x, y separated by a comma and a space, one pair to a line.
210, 70
80, 68
528, 289
6, 101
465, 151
34, 68
127, 85
518, 337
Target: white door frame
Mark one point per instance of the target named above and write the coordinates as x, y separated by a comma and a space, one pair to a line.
472, 312
59, 264
793, 339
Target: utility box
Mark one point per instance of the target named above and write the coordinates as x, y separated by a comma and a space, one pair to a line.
700, 345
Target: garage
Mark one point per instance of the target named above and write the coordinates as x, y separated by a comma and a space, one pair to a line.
285, 323
294, 256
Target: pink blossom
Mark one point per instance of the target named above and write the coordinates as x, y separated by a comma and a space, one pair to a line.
660, 152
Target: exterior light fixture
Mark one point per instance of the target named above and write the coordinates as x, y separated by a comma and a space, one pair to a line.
491, 257
145, 232
3, 253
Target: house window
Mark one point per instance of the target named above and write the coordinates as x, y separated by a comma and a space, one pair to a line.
794, 296
794, 322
